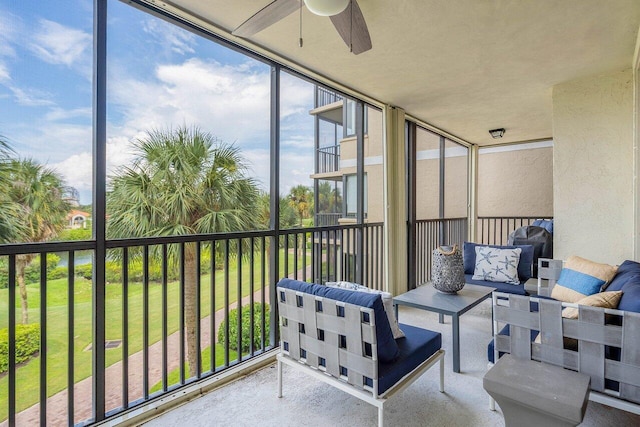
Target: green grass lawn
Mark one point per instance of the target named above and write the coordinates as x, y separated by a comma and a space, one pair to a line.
27, 375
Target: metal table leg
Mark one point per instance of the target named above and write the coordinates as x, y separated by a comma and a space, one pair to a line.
455, 324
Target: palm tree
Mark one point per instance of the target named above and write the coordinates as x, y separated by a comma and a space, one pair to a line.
182, 181
301, 198
38, 192
10, 224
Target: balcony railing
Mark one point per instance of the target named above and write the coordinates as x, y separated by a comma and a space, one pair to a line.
326, 97
328, 159
168, 304
494, 230
432, 233
327, 219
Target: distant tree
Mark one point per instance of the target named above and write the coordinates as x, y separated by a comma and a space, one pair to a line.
182, 181
329, 198
39, 193
301, 199
288, 216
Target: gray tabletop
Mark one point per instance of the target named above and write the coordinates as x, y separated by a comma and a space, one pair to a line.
427, 297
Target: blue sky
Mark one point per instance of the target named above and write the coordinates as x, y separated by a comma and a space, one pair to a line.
159, 76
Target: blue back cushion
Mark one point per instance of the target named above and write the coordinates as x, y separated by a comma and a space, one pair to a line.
627, 280
524, 266
387, 346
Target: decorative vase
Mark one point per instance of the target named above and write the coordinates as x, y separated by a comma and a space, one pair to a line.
447, 270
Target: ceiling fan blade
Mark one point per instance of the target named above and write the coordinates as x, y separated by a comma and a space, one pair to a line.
268, 15
353, 29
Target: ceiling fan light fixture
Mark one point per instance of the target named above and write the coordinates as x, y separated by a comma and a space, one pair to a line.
326, 7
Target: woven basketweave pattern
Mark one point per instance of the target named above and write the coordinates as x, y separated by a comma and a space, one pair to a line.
331, 336
597, 332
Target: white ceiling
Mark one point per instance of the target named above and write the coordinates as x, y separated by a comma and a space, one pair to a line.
464, 66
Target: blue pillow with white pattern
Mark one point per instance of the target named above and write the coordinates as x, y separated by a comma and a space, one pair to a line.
497, 265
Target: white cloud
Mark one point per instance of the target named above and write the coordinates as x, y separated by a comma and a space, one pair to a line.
30, 97
58, 114
77, 170
57, 44
230, 102
8, 29
5, 77
177, 39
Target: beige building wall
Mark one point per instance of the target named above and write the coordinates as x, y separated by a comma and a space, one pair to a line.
516, 180
593, 167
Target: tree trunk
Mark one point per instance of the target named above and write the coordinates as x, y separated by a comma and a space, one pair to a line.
191, 302
21, 263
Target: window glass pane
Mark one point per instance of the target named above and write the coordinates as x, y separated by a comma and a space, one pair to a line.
182, 111
427, 174
373, 168
297, 150
351, 195
455, 180
45, 125
350, 117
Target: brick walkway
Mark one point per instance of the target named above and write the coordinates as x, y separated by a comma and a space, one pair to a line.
57, 404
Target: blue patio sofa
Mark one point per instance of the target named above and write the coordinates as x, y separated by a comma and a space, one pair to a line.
343, 337
525, 267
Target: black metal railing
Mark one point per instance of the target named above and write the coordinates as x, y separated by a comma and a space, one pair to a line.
432, 233
326, 97
324, 219
495, 230
170, 308
328, 158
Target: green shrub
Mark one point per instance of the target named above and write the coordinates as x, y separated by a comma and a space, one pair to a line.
85, 271
27, 344
57, 273
246, 327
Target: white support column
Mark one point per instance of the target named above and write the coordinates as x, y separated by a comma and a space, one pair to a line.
395, 201
636, 150
472, 207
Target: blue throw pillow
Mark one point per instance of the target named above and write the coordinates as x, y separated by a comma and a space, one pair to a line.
524, 266
387, 346
627, 280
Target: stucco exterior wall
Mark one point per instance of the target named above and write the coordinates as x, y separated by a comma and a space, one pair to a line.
515, 181
593, 167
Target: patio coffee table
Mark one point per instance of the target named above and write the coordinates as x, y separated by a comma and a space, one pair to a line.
426, 297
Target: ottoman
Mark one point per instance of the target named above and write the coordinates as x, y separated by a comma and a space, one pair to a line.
536, 394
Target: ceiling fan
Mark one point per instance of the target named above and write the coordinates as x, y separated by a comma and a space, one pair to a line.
345, 15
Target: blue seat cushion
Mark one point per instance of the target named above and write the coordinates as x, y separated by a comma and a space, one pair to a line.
416, 347
524, 265
627, 280
500, 287
387, 346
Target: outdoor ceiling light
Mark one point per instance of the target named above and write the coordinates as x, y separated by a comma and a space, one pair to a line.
326, 7
497, 133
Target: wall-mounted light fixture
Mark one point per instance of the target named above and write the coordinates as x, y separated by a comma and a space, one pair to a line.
497, 133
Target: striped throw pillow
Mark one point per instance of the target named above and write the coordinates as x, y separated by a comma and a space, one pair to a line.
580, 278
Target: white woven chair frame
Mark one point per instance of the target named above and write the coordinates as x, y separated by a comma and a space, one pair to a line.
592, 333
347, 341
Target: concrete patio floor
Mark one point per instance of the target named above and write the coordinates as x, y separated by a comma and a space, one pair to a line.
252, 400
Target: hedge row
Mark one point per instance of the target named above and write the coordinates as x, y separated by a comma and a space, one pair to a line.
32, 271
27, 344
